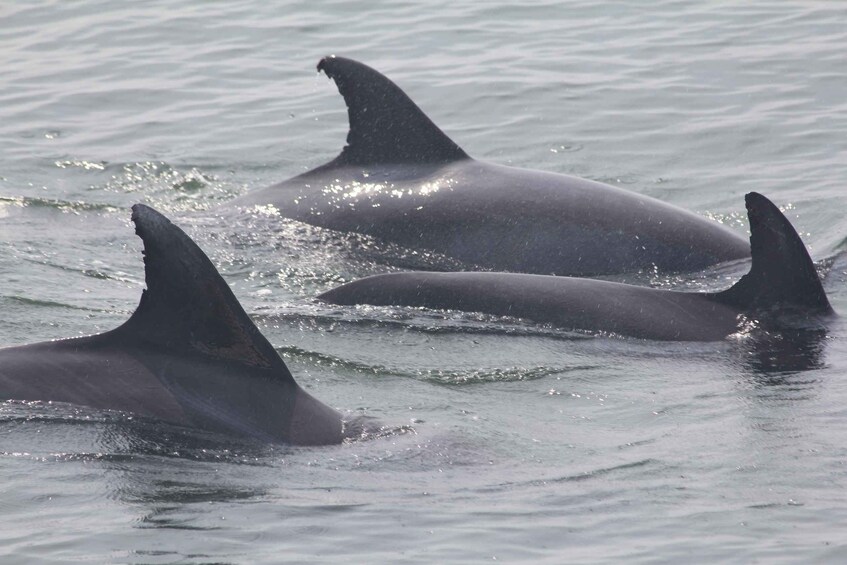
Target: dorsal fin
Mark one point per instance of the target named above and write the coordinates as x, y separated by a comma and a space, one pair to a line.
385, 125
782, 273
187, 305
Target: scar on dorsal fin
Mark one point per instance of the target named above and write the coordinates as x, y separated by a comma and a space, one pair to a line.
782, 273
385, 125
187, 305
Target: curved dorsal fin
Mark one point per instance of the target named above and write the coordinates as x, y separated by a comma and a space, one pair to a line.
187, 305
385, 125
782, 273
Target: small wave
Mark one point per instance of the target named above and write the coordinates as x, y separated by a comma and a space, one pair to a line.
51, 304
362, 428
437, 376
67, 206
80, 164
475, 376
171, 188
603, 471
575, 477
444, 322
330, 361
94, 273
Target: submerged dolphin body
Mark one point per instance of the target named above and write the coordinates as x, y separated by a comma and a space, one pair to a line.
782, 283
401, 179
189, 354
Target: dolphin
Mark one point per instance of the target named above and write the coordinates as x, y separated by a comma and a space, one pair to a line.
402, 180
781, 287
188, 355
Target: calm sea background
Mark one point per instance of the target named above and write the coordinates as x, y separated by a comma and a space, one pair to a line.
511, 442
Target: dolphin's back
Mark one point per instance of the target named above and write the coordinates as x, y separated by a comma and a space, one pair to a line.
510, 219
566, 302
782, 279
88, 372
401, 179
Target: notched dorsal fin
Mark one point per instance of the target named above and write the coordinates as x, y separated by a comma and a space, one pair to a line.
782, 273
385, 125
187, 304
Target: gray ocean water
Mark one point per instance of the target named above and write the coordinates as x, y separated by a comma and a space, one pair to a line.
511, 441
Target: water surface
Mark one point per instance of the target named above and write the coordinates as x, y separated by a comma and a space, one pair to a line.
512, 441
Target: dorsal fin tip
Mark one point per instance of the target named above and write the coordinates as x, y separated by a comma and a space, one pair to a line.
386, 126
782, 272
322, 64
187, 304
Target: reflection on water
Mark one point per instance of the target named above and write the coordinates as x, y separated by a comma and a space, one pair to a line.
175, 476
152, 438
771, 357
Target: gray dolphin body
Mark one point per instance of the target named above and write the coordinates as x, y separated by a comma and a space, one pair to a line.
189, 355
401, 179
782, 282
